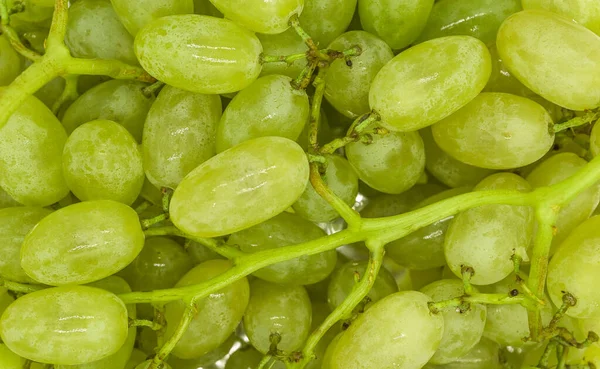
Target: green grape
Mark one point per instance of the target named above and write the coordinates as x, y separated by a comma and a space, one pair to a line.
120, 101
244, 358
496, 131
320, 311
82, 243
270, 106
95, 31
5, 299
10, 62
347, 88
240, 187
10, 360
179, 134
277, 309
199, 253
68, 325
214, 55
6, 201
341, 180
262, 16
477, 18
147, 364
151, 194
501, 80
15, 223
343, 281
328, 357
385, 205
285, 43
205, 7
324, 20
595, 140
136, 14
535, 44
36, 40
50, 92
485, 237
101, 161
325, 133
147, 340
283, 230
585, 12
206, 360
397, 22
30, 155
136, 358
462, 330
430, 81
396, 332
218, 314
421, 278
446, 169
485, 355
555, 169
392, 163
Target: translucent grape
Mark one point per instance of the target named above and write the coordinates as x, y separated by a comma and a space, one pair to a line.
327, 358
262, 16
285, 43
324, 20
270, 106
136, 358
535, 44
485, 355
386, 205
586, 12
207, 360
240, 187
397, 22
82, 243
214, 55
10, 63
136, 14
9, 359
430, 81
421, 278
244, 358
501, 80
67, 325
496, 131
179, 134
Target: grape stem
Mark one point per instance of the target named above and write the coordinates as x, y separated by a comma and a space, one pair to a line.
588, 117
145, 323
355, 132
464, 302
169, 345
315, 112
147, 223
12, 35
264, 361
70, 92
20, 287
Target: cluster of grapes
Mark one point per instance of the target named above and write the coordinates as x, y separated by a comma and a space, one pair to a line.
203, 184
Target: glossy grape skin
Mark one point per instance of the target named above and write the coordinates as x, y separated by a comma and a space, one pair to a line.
397, 22
372, 339
10, 63
136, 14
120, 101
214, 56
67, 325
344, 279
534, 44
485, 237
341, 179
281, 309
30, 155
285, 43
427, 92
392, 163
264, 16
324, 20
270, 106
347, 88
478, 18
585, 12
215, 199
82, 243
501, 80
95, 31
218, 314
179, 134
496, 131
556, 169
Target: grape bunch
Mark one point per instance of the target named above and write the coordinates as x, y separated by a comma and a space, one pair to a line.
319, 184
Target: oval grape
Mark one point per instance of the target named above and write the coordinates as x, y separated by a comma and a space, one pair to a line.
136, 14
263, 16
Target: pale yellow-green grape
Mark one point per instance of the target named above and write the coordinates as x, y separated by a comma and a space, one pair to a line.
392, 163
264, 16
95, 31
341, 179
385, 205
446, 169
324, 20
82, 243
343, 281
117, 100
496, 131
15, 223
151, 193
199, 253
137, 357
207, 360
574, 356
585, 12
101, 161
6, 201
277, 309
397, 22
430, 81
398, 332
205, 7
485, 237
328, 357
136, 14
556, 169
595, 140
477, 18
199, 53
217, 315
485, 355
5, 299
421, 278
270, 106
10, 62
347, 88
31, 155
51, 91
244, 358
535, 45
285, 43
147, 340
67, 325
320, 311
501, 80
147, 364
179, 134
575, 269
462, 330
240, 187
10, 360
283, 230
